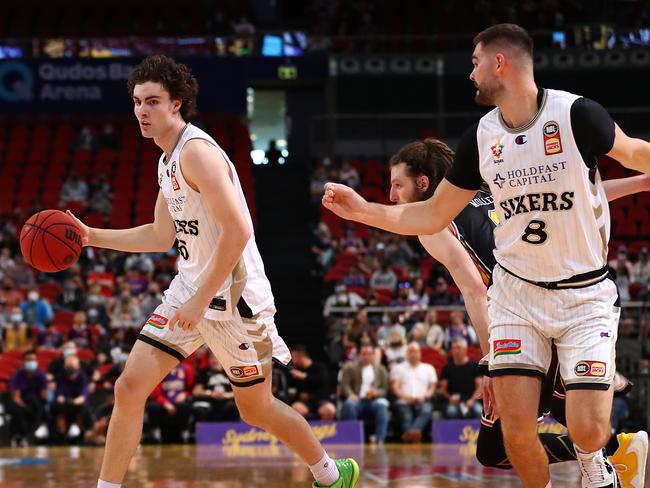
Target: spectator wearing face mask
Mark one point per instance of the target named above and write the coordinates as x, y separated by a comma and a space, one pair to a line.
72, 297
80, 334
342, 298
71, 415
150, 300
57, 365
16, 333
27, 403
36, 311
395, 350
95, 307
126, 312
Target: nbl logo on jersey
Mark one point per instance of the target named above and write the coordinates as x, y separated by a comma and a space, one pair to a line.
552, 138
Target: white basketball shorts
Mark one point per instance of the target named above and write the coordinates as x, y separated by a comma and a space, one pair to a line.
525, 319
245, 347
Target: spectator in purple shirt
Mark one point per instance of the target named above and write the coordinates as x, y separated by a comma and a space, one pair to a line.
69, 410
50, 338
26, 406
80, 333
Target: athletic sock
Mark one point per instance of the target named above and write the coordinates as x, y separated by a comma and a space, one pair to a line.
325, 471
106, 484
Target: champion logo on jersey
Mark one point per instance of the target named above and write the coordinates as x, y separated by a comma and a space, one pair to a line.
552, 138
521, 140
507, 346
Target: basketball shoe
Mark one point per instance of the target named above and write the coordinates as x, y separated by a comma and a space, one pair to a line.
597, 471
348, 474
629, 460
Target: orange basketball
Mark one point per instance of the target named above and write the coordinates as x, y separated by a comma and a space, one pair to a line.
50, 241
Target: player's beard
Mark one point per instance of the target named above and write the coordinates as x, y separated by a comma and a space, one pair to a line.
488, 92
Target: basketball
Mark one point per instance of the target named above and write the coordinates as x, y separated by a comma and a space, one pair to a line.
50, 241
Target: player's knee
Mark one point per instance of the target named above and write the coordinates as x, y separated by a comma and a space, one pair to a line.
592, 437
128, 391
254, 410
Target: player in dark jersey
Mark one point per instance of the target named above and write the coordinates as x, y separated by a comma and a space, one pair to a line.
465, 248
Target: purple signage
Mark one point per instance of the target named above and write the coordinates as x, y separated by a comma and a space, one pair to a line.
240, 434
466, 431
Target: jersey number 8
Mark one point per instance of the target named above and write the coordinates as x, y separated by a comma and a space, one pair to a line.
534, 233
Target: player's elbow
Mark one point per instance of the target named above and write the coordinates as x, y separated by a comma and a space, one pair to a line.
164, 240
238, 235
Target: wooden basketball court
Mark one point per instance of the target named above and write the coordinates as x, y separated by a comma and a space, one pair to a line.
273, 466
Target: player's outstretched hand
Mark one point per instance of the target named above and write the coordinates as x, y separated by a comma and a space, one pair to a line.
85, 230
343, 201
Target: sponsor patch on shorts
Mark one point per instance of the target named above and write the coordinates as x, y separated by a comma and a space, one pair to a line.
244, 371
591, 368
157, 321
507, 346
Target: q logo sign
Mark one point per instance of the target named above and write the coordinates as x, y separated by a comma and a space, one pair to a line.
16, 82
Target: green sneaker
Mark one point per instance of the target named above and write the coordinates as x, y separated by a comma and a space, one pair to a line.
349, 474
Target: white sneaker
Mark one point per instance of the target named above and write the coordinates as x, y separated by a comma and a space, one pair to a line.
74, 431
42, 432
597, 471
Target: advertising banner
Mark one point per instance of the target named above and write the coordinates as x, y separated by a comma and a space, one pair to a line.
241, 434
84, 85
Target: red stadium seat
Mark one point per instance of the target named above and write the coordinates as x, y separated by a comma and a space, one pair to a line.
49, 290
435, 358
63, 317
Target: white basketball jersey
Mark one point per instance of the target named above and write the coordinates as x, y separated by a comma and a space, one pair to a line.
554, 216
197, 233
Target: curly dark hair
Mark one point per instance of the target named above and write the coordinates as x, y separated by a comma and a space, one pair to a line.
431, 158
175, 77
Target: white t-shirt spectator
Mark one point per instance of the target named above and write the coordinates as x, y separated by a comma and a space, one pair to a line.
414, 382
367, 379
383, 279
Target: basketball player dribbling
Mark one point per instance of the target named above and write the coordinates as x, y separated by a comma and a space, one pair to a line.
465, 248
538, 152
220, 296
